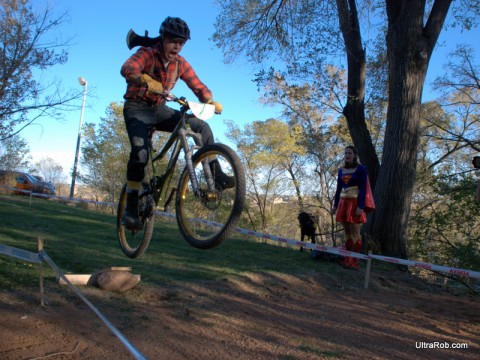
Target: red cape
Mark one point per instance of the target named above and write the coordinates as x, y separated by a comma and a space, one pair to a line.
369, 202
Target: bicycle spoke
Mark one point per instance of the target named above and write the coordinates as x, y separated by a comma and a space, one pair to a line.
134, 243
207, 215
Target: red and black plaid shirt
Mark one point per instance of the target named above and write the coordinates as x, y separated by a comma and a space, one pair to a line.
149, 61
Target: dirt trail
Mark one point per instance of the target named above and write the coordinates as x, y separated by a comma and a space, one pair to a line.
251, 317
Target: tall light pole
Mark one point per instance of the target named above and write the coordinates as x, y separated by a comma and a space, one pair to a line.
83, 83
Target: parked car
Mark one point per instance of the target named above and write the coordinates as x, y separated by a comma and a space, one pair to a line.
26, 181
46, 184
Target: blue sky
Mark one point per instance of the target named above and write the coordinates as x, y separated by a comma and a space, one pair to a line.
99, 50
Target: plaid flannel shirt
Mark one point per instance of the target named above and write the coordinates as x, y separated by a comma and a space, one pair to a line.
149, 61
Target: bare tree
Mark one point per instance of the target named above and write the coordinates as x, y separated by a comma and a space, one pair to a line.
460, 94
50, 171
14, 154
462, 74
28, 47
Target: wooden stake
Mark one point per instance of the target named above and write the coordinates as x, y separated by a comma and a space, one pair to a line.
40, 268
367, 272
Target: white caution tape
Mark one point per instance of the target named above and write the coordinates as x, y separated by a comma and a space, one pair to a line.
64, 198
19, 253
343, 252
136, 354
38, 258
328, 249
427, 266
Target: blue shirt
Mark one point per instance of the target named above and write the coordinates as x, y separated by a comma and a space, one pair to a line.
356, 178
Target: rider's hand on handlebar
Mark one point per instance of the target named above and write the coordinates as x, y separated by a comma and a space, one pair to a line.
152, 85
218, 106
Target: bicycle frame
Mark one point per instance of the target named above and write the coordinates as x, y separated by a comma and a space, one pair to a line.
207, 208
178, 140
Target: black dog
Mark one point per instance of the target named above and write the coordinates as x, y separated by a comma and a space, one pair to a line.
307, 227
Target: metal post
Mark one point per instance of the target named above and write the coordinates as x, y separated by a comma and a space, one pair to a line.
84, 83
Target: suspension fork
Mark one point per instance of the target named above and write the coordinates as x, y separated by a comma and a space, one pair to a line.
183, 134
208, 174
188, 158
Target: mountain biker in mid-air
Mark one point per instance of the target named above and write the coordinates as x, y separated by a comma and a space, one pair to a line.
148, 72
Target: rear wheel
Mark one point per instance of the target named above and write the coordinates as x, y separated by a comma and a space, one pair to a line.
134, 243
207, 218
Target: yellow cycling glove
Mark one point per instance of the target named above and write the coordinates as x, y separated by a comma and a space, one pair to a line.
218, 106
152, 85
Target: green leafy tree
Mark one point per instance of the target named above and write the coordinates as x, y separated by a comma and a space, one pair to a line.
445, 217
264, 173
445, 226
302, 33
105, 153
310, 112
279, 144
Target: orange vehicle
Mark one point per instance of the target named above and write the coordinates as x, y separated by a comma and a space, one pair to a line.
27, 182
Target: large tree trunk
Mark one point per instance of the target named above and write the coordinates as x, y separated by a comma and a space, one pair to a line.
409, 47
397, 175
354, 109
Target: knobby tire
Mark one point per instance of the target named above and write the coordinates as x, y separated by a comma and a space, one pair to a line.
234, 199
128, 239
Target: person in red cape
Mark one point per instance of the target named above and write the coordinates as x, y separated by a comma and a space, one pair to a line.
353, 199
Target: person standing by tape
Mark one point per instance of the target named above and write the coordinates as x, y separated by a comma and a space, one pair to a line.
353, 199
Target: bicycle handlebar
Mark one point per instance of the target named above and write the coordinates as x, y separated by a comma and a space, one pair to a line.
171, 97
193, 106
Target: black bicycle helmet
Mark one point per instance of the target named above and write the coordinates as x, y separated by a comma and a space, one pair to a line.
175, 27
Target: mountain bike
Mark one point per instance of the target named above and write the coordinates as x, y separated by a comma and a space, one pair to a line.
205, 212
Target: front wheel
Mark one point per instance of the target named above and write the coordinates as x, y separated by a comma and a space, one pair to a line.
206, 218
134, 243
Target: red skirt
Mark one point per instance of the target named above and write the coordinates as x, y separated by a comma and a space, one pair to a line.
346, 212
